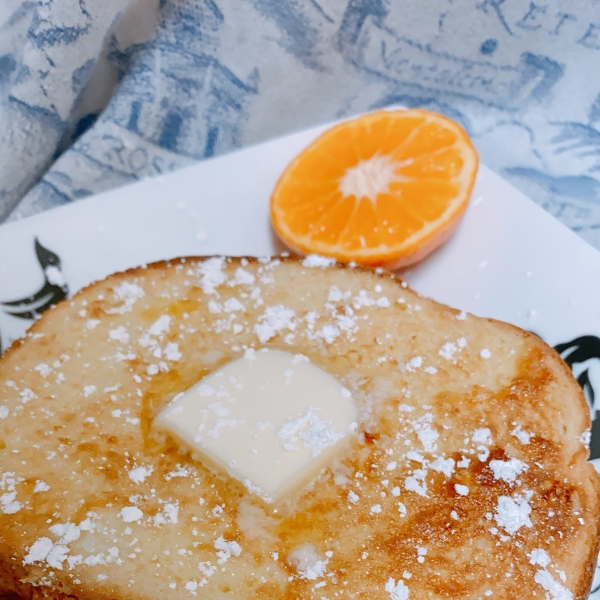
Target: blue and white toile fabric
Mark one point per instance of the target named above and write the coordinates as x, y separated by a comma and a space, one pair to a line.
95, 94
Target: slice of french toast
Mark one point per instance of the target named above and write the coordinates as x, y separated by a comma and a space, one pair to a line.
466, 477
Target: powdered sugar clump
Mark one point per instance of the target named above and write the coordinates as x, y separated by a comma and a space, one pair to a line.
414, 363
88, 390
522, 435
139, 474
539, 557
314, 260
172, 352
169, 514
412, 485
273, 320
482, 436
507, 470
445, 466
428, 437
43, 369
225, 549
211, 274
54, 276
242, 277
298, 358
9, 503
54, 554
160, 326
585, 438
307, 562
67, 532
250, 354
38, 551
315, 433
449, 349
397, 591
513, 513
328, 333
555, 590
119, 334
40, 486
129, 293
130, 514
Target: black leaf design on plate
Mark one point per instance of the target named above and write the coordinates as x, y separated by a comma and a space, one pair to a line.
575, 353
53, 290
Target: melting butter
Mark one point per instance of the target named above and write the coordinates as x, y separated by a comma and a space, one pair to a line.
270, 419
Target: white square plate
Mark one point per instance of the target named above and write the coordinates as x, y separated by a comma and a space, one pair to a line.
508, 260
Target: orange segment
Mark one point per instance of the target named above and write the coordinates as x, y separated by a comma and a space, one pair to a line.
361, 230
385, 189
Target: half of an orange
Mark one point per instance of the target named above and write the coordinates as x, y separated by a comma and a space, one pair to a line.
385, 189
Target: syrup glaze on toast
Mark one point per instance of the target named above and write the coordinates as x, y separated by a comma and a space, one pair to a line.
468, 474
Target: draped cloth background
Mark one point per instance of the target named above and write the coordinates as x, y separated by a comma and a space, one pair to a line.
97, 94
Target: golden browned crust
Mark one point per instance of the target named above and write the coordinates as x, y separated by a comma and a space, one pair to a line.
84, 452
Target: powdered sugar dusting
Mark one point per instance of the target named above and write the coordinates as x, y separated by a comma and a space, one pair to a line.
403, 476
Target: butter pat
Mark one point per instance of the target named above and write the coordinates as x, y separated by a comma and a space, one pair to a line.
270, 419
